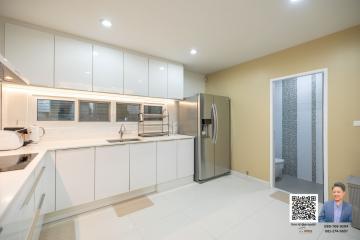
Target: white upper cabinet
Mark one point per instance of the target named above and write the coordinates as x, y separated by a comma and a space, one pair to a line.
73, 64
108, 70
157, 78
175, 81
136, 75
32, 53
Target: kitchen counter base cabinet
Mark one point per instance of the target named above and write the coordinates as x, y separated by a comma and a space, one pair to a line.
74, 177
25, 217
142, 165
46, 184
166, 161
111, 171
185, 158
18, 219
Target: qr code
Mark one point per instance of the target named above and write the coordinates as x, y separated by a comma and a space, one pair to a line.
303, 208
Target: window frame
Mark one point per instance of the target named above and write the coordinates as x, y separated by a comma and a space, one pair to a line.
52, 122
93, 101
128, 103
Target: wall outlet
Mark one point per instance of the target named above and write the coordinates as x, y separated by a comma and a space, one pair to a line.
356, 123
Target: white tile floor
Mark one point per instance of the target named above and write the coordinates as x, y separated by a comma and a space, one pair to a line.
227, 208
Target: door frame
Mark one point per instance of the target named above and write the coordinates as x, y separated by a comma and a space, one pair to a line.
325, 125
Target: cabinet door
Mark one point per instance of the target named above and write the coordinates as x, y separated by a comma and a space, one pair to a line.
185, 158
111, 171
74, 177
32, 53
17, 220
175, 81
166, 161
157, 78
142, 165
73, 64
46, 184
108, 70
135, 75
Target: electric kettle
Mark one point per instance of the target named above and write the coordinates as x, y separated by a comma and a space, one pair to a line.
36, 133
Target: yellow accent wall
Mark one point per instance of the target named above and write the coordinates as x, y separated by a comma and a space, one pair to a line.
248, 86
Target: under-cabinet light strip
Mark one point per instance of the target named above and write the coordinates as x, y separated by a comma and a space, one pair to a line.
43, 91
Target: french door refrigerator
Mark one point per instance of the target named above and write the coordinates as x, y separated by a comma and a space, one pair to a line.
207, 117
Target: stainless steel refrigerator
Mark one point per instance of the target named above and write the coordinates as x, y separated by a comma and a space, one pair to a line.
207, 117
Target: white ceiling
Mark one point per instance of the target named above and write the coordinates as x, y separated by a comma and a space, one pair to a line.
225, 32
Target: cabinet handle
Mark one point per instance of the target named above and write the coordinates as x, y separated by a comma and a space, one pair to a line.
29, 235
28, 197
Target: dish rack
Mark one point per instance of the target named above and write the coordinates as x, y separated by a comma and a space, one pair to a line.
152, 125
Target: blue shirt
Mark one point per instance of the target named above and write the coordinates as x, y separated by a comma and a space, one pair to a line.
337, 212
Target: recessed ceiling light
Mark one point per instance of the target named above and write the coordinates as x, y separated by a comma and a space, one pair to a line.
193, 51
162, 68
106, 23
295, 1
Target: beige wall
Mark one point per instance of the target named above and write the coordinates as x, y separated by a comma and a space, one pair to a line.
248, 86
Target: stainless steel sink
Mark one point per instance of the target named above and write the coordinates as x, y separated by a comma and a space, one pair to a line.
123, 140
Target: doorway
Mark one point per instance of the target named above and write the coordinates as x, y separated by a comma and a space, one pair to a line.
298, 157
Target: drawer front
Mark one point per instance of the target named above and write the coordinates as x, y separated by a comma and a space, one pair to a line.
18, 219
24, 219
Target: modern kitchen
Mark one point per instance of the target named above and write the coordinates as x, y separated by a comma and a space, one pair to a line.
137, 120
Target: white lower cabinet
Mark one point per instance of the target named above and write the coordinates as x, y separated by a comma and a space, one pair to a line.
46, 184
16, 223
185, 158
166, 161
25, 217
142, 165
111, 171
74, 177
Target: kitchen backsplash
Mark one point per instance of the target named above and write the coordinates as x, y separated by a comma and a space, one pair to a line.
19, 109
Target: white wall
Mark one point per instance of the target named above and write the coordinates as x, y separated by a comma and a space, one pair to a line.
193, 83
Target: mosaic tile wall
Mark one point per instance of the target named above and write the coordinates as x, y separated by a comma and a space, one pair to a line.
289, 133
289, 142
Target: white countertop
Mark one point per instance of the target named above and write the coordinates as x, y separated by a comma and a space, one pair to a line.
11, 182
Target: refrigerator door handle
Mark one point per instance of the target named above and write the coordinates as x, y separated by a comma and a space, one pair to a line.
213, 123
216, 123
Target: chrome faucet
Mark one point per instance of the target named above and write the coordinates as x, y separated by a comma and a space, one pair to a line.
122, 131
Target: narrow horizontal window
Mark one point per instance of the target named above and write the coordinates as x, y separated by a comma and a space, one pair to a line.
127, 112
94, 111
152, 112
55, 110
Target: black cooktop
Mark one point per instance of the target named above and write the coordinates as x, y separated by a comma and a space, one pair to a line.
15, 162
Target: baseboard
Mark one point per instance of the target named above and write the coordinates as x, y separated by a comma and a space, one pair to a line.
242, 175
174, 184
83, 208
